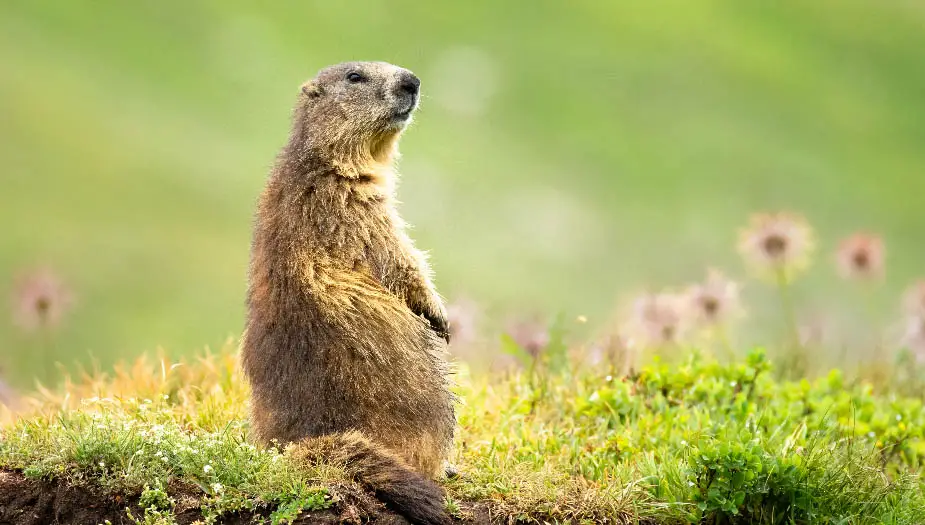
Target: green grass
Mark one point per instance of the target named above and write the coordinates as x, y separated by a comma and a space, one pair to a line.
693, 441
135, 139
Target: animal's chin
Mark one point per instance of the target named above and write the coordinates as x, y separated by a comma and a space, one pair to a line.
404, 111
404, 114
400, 119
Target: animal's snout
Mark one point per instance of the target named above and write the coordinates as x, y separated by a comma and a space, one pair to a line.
409, 83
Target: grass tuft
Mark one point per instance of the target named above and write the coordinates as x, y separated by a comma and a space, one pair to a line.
691, 442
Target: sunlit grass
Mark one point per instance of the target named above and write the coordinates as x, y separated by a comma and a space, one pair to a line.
689, 442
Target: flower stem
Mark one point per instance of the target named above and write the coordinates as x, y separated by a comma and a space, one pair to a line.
796, 351
871, 311
45, 342
723, 336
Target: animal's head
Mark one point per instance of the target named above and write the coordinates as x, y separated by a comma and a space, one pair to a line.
357, 110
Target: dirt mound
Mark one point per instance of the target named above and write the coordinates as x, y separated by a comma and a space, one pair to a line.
32, 502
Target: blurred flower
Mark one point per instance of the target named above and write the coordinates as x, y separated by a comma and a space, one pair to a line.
40, 301
914, 300
815, 330
463, 316
715, 300
914, 310
779, 242
613, 351
530, 335
7, 396
860, 256
658, 318
914, 337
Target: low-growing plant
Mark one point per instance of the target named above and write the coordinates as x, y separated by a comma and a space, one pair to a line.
692, 441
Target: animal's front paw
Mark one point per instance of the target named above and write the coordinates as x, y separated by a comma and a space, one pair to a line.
450, 470
435, 313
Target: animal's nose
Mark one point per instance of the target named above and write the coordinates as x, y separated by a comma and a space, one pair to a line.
408, 83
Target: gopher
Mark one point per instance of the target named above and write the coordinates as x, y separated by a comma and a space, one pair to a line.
345, 338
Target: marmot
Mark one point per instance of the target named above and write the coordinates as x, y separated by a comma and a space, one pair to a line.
345, 339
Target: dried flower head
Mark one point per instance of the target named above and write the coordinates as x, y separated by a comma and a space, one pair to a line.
715, 300
914, 337
860, 256
531, 335
914, 300
777, 242
463, 316
815, 330
7, 395
40, 301
611, 349
658, 319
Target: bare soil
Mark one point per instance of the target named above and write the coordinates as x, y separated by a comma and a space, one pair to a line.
37, 502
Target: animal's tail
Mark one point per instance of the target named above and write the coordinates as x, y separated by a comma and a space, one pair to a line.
418, 499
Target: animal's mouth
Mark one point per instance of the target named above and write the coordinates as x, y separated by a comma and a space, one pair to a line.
404, 112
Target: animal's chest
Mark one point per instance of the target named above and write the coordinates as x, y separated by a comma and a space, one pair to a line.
381, 257
366, 240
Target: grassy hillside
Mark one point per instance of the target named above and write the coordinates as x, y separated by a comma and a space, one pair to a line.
564, 153
690, 442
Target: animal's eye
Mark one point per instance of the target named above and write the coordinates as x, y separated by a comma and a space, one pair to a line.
355, 77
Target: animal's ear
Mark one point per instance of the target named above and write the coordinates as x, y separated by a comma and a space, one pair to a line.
311, 89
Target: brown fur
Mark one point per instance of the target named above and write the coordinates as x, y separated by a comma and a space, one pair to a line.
345, 336
387, 474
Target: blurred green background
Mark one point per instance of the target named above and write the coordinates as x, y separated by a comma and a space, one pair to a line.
566, 153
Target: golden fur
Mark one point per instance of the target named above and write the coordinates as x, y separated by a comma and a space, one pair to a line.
345, 339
